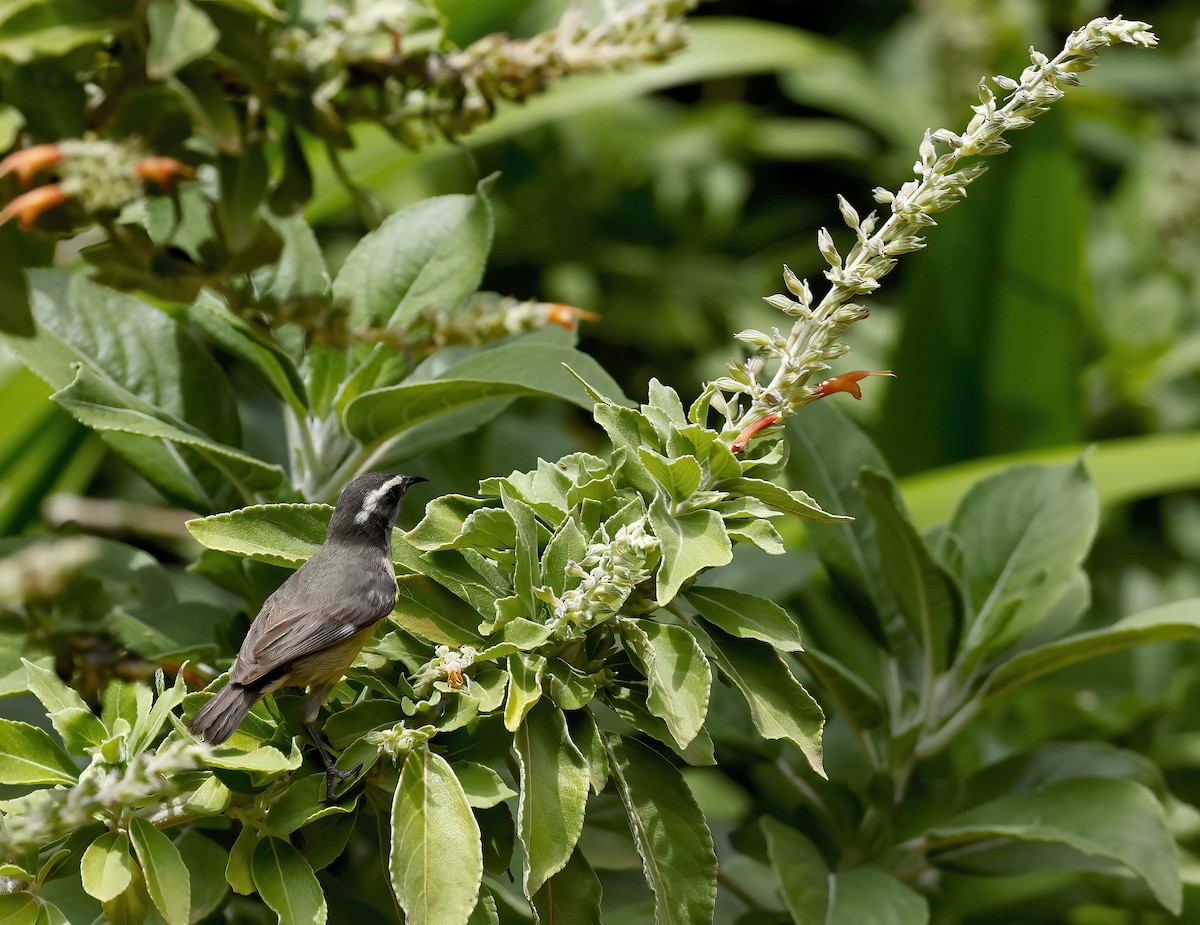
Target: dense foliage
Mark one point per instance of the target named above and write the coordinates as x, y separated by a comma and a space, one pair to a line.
619, 680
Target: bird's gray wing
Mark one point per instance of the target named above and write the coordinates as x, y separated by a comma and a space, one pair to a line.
293, 625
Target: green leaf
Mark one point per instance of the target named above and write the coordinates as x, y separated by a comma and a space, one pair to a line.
142, 354
287, 884
1123, 470
779, 705
815, 896
29, 756
280, 534
205, 862
1024, 534
746, 616
669, 831
679, 477
430, 254
511, 370
827, 450
167, 877
180, 33
483, 786
524, 687
928, 596
72, 719
554, 789
678, 674
1109, 818
238, 873
102, 405
257, 350
1178, 620
107, 867
436, 860
427, 609
790, 502
689, 543
526, 573
570, 897
19, 909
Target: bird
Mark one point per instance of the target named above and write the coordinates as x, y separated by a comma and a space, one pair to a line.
310, 630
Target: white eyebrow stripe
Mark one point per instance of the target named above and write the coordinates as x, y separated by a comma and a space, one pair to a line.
371, 501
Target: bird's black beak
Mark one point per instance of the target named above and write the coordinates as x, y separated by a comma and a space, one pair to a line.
414, 479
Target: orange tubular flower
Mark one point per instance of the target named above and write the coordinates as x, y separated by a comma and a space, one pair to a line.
28, 206
567, 316
743, 439
29, 161
848, 382
162, 170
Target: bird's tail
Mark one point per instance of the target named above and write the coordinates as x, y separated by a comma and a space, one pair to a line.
218, 718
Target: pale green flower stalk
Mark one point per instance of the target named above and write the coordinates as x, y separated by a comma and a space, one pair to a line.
609, 573
940, 182
147, 783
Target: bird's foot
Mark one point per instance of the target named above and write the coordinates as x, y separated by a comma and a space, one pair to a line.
333, 774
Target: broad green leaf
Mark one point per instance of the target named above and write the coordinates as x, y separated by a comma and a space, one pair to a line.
262, 763
104, 406
238, 872
816, 896
19, 909
746, 616
429, 255
690, 543
73, 720
554, 789
527, 573
669, 831
287, 884
790, 502
238, 338
281, 534
436, 862
827, 450
211, 798
126, 700
503, 372
928, 597
443, 522
779, 705
680, 478
1024, 533
427, 609
107, 867
167, 878
301, 803
36, 29
130, 908
29, 756
854, 697
677, 672
1178, 620
205, 862
1123, 470
180, 33
139, 351
566, 546
570, 897
524, 687
802, 871
485, 912
483, 786
1109, 818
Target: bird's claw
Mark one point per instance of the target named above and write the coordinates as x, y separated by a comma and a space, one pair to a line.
333, 774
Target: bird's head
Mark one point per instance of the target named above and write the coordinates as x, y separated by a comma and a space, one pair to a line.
370, 503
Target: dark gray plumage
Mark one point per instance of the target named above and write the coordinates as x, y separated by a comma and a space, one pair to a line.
310, 630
